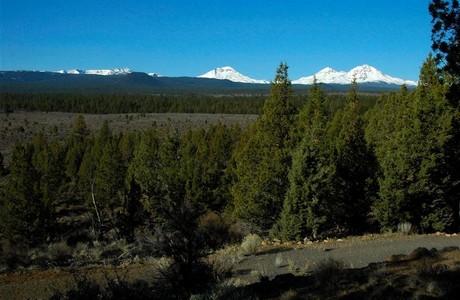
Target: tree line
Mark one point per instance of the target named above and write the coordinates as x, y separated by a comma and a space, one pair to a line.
295, 173
93, 103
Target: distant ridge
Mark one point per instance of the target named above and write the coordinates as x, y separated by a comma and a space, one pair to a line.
363, 74
127, 81
103, 72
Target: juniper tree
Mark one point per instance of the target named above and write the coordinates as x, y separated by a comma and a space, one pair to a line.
263, 158
23, 214
76, 147
355, 167
308, 198
415, 176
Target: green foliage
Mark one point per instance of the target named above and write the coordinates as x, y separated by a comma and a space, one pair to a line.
109, 177
76, 147
204, 157
110, 103
412, 155
355, 168
308, 197
445, 34
263, 158
187, 244
23, 213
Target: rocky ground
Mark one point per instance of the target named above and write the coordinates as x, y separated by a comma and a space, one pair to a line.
374, 266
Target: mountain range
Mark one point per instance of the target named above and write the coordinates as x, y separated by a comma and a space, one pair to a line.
224, 80
103, 72
362, 74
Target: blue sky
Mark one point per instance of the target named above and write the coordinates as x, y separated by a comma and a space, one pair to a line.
189, 38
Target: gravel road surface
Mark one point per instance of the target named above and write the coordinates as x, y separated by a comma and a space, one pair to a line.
354, 252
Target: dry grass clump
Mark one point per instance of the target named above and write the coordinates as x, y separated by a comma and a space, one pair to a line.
329, 272
279, 261
115, 288
251, 244
427, 269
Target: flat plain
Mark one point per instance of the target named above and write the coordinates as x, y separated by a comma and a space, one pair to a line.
22, 126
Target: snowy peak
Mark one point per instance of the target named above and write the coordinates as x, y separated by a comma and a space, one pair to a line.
362, 74
231, 74
365, 73
326, 75
104, 72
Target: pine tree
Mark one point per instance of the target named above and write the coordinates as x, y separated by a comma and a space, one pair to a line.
263, 159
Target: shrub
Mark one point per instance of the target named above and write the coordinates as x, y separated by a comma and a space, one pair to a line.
13, 254
187, 244
404, 227
59, 253
251, 244
116, 288
329, 272
215, 229
427, 270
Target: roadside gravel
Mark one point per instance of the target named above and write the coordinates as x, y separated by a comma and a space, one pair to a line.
354, 252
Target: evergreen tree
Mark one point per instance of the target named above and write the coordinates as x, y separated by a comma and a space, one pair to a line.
445, 35
23, 214
263, 160
109, 177
205, 155
308, 198
87, 172
355, 167
132, 214
156, 169
415, 176
76, 147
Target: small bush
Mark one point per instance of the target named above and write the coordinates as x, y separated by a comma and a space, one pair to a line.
59, 253
404, 227
279, 260
427, 270
116, 288
215, 229
13, 254
251, 244
329, 272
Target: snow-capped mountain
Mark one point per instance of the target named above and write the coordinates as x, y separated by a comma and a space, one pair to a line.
362, 74
104, 72
230, 74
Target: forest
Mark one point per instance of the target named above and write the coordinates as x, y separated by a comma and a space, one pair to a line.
297, 173
311, 167
94, 103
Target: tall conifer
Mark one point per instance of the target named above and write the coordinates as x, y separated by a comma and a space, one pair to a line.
263, 160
